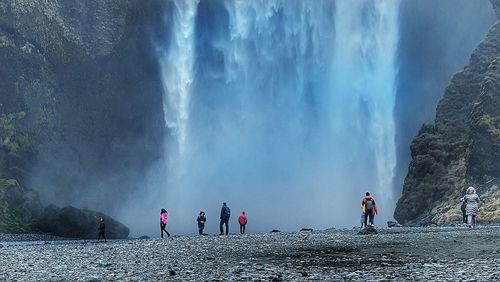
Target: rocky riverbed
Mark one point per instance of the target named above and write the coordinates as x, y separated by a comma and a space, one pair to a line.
432, 253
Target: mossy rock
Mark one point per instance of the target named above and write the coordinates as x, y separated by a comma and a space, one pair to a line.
11, 220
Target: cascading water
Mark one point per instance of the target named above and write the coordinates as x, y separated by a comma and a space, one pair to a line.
280, 108
176, 65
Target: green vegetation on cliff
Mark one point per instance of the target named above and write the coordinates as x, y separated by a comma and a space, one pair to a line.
79, 90
10, 220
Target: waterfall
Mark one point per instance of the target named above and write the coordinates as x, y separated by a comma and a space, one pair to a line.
280, 106
364, 68
176, 65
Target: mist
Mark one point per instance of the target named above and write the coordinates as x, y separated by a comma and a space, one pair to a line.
281, 109
292, 111
288, 110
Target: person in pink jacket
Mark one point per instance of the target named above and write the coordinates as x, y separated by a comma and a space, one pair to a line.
163, 222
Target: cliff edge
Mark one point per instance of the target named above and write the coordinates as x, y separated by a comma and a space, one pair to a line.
462, 148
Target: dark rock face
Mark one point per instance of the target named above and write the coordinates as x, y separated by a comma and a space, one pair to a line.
463, 147
80, 102
64, 29
82, 77
78, 223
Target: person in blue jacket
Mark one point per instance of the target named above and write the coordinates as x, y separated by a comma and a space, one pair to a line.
225, 214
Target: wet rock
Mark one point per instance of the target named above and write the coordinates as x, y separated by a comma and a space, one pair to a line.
171, 273
370, 229
306, 230
275, 231
391, 224
143, 238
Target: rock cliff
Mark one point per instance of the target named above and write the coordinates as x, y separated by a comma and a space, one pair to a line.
80, 99
462, 148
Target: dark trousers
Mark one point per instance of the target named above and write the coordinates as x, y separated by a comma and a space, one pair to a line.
464, 217
101, 234
242, 228
369, 214
162, 229
222, 222
200, 230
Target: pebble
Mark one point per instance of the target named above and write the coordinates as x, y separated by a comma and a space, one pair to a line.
395, 254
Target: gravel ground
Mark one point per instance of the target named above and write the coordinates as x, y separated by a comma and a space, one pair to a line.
28, 237
437, 254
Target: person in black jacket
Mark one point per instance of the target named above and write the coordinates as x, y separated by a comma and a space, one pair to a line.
225, 214
101, 229
201, 222
464, 216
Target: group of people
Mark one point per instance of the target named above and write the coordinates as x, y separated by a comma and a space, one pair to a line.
469, 207
225, 215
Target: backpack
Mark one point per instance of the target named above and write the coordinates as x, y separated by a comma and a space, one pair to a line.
227, 212
242, 220
369, 204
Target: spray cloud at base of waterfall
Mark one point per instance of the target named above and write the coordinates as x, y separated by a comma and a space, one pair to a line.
255, 73
279, 108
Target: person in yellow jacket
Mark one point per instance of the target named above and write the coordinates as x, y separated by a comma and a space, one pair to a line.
362, 216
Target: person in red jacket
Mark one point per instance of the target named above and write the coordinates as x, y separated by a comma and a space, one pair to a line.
369, 207
243, 222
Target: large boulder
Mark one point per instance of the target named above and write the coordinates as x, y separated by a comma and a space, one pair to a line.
72, 222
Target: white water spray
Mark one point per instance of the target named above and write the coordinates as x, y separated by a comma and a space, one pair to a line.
364, 73
176, 64
290, 110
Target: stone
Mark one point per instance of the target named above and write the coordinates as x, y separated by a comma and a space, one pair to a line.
370, 229
391, 224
